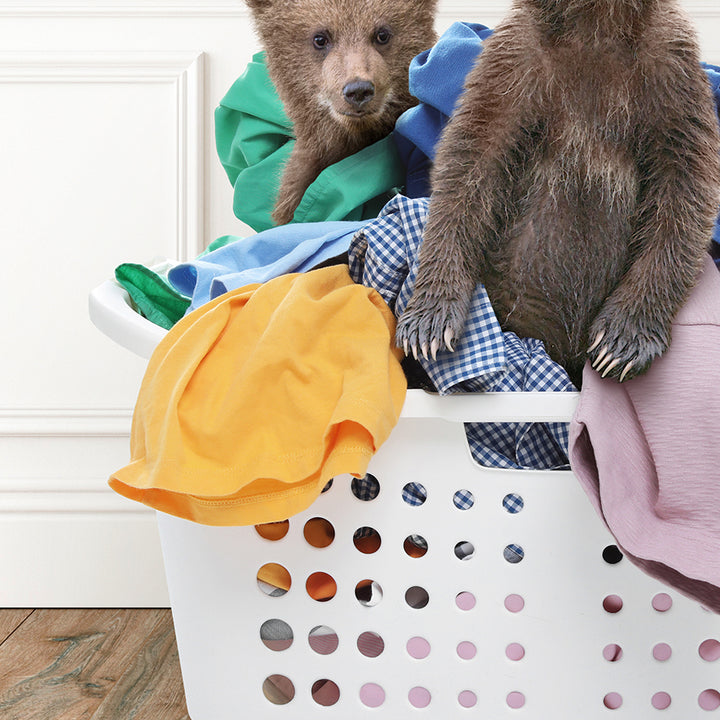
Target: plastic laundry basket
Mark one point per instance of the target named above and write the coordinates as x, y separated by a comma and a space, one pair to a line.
483, 592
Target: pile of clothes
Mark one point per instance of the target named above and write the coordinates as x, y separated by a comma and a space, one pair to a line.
279, 369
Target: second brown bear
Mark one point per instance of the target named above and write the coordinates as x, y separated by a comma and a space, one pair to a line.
579, 180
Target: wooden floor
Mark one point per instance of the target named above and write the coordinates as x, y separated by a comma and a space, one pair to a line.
89, 665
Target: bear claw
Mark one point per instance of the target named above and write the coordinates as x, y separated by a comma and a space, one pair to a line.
625, 348
429, 325
598, 338
625, 371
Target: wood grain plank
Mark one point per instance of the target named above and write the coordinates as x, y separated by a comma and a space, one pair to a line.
64, 665
151, 688
10, 620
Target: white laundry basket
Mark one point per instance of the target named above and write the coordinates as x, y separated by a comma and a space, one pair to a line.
520, 607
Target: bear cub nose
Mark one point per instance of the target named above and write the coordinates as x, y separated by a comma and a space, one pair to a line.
358, 92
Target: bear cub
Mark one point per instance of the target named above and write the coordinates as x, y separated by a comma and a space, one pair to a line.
341, 70
578, 179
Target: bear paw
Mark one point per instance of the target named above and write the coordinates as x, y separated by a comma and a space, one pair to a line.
623, 349
430, 323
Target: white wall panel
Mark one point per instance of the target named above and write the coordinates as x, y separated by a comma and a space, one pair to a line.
103, 167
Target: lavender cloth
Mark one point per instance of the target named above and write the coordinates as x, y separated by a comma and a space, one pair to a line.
645, 451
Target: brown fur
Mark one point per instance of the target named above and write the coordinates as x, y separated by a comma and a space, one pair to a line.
367, 41
579, 180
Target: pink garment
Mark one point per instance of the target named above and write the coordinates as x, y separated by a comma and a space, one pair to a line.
646, 452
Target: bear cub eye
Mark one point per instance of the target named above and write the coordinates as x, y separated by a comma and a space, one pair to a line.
321, 40
383, 36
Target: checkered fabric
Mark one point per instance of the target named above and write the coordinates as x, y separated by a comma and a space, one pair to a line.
414, 494
384, 255
463, 499
513, 503
365, 488
513, 554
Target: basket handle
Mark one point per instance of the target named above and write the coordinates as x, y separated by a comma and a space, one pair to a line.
492, 406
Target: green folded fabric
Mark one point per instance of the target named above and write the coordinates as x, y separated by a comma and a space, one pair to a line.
154, 298
254, 138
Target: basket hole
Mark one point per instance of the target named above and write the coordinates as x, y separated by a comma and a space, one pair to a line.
372, 695
319, 532
466, 650
515, 700
370, 644
513, 503
274, 580
323, 640
709, 650
467, 698
414, 494
273, 531
368, 593
365, 488
514, 603
278, 689
416, 546
513, 553
419, 697
612, 652
463, 499
276, 635
464, 550
662, 602
418, 648
417, 597
661, 701
662, 652
515, 652
321, 587
328, 485
367, 540
325, 692
612, 555
612, 701
465, 600
709, 699
612, 604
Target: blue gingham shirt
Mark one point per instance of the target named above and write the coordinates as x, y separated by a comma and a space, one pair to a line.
384, 255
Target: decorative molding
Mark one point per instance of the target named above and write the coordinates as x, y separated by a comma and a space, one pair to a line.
60, 496
70, 422
453, 9
117, 8
184, 71
64, 503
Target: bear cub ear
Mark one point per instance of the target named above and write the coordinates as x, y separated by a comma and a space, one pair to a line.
258, 4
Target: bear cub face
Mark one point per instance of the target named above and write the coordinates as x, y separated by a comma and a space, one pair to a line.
341, 70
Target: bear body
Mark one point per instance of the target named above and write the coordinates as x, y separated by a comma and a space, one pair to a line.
579, 180
341, 70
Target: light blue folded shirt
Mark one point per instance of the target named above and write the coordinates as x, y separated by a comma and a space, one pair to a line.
256, 259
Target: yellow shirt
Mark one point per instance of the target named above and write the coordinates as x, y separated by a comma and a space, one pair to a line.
252, 402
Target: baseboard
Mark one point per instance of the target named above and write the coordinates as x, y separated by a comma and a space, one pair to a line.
61, 558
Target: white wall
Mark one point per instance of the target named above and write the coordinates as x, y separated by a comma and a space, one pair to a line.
107, 156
